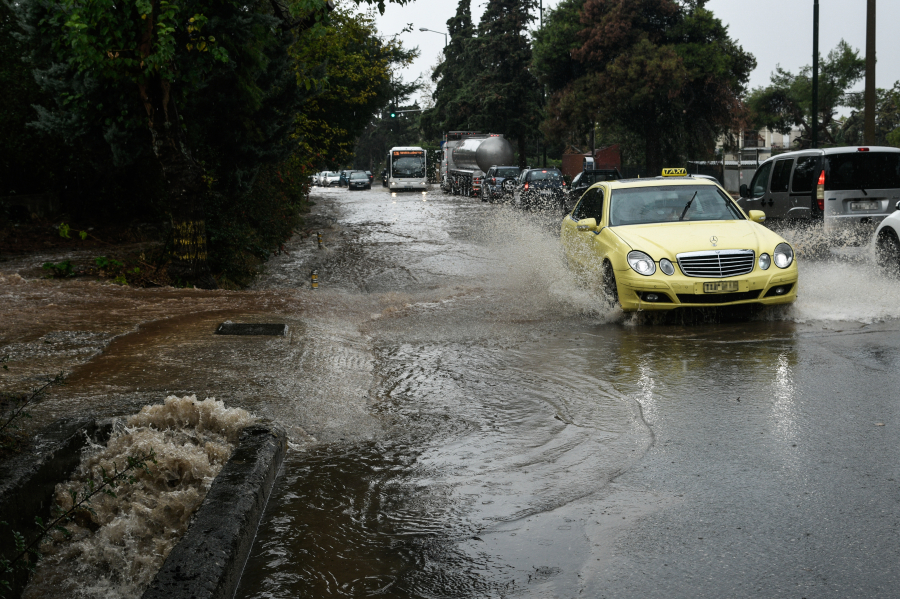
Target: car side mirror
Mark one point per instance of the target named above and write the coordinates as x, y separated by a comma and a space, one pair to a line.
745, 191
897, 205
757, 216
587, 224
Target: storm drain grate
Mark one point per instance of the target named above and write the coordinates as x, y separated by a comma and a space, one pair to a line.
249, 328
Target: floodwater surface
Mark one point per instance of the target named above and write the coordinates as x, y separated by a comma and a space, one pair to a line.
467, 420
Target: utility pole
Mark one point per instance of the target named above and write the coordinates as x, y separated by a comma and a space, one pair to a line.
869, 138
815, 81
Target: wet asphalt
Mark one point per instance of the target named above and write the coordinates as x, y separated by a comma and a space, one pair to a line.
534, 442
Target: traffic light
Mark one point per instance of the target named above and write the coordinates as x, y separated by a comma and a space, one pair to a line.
393, 112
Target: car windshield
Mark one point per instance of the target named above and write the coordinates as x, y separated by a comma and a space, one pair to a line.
359, 176
507, 172
544, 176
862, 170
667, 203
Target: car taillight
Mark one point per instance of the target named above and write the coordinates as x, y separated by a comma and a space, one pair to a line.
820, 192
493, 180
564, 183
526, 186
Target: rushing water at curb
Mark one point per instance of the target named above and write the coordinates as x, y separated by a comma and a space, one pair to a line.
117, 547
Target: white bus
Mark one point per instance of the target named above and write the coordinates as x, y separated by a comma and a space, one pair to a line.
406, 169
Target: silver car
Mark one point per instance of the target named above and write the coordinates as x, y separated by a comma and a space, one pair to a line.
849, 189
886, 242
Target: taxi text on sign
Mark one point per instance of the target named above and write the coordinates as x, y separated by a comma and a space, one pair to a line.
674, 172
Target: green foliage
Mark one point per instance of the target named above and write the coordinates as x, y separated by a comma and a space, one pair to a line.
59, 270
658, 73
554, 65
887, 119
506, 93
453, 106
787, 101
104, 263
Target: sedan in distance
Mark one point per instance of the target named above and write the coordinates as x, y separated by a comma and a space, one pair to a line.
359, 180
540, 189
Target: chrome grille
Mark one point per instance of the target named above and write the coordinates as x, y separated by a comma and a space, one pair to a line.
717, 263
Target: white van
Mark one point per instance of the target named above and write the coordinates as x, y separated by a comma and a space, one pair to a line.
848, 188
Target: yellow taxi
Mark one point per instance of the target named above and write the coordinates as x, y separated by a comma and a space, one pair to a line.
676, 241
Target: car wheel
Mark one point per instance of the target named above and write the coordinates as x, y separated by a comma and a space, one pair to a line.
887, 251
609, 284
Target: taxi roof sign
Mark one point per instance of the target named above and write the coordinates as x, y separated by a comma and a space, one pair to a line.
674, 172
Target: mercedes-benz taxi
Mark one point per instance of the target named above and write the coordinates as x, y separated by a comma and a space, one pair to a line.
676, 241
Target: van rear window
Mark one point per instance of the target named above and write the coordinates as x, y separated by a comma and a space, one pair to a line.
862, 170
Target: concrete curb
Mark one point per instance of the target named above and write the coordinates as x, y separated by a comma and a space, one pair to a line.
28, 480
208, 561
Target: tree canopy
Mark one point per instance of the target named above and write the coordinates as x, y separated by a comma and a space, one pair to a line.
658, 71
787, 101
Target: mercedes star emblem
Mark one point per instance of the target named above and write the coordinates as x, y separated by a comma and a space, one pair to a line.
714, 240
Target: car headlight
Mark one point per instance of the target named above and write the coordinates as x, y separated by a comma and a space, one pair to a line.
666, 266
641, 263
784, 255
765, 261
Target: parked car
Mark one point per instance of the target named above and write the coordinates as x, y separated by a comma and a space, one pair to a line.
330, 178
667, 242
585, 179
499, 182
540, 188
370, 175
848, 189
359, 180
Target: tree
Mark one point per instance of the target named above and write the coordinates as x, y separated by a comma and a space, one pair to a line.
787, 101
453, 107
203, 90
554, 64
665, 73
506, 94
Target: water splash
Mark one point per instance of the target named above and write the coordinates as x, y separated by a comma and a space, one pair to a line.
116, 549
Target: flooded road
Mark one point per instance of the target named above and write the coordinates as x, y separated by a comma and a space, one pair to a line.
536, 443
466, 421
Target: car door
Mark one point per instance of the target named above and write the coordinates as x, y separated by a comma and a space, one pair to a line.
803, 201
756, 192
579, 244
778, 196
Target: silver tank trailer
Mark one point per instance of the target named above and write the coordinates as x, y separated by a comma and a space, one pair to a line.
482, 154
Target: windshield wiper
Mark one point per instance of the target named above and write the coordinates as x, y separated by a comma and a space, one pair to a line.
864, 191
688, 206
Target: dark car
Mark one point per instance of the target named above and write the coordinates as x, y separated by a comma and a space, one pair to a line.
359, 180
585, 179
499, 183
540, 189
345, 176
370, 175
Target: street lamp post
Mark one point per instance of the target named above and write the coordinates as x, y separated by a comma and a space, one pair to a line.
433, 31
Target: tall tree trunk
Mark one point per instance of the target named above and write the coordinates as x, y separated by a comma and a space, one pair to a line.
185, 188
652, 155
523, 151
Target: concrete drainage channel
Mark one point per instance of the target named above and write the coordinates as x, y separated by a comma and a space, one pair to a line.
208, 560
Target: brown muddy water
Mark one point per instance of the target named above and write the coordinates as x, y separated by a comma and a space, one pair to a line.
467, 421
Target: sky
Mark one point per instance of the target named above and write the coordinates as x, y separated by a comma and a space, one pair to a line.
776, 32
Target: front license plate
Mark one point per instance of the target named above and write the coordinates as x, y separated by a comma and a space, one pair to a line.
720, 287
864, 205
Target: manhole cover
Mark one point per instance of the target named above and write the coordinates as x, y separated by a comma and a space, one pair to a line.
249, 328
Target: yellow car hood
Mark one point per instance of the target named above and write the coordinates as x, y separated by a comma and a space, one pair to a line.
665, 240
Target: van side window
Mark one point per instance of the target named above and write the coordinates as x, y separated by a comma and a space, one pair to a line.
781, 176
760, 179
804, 174
590, 206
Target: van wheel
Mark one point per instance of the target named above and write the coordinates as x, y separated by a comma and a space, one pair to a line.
609, 284
887, 252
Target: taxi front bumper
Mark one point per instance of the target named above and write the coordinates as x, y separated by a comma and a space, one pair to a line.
661, 292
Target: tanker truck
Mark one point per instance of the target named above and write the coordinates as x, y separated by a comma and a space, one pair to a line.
468, 155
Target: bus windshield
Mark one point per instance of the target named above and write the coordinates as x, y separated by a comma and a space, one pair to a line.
408, 164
